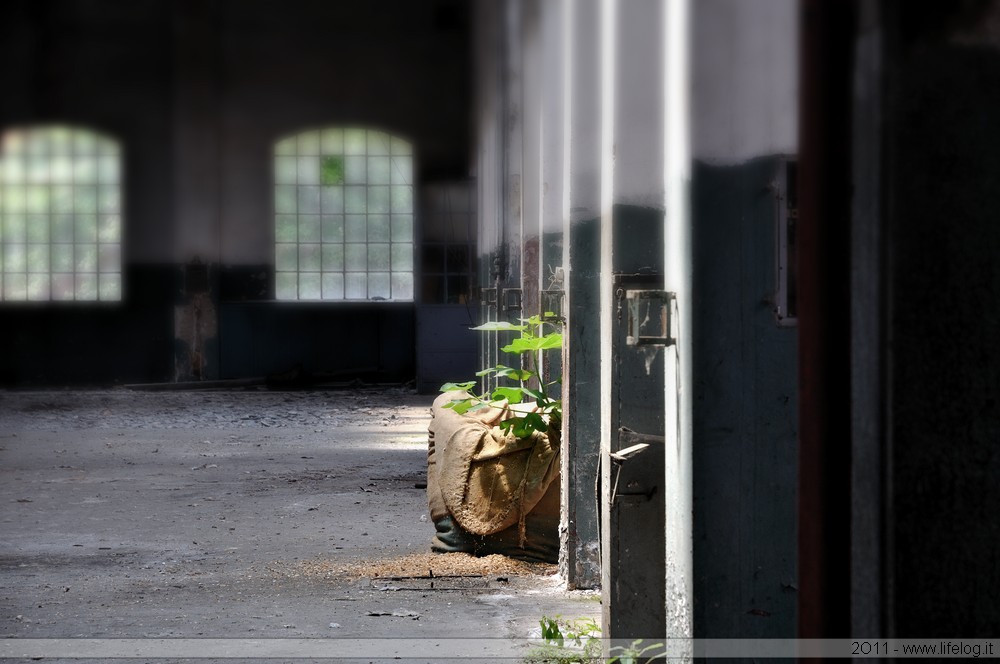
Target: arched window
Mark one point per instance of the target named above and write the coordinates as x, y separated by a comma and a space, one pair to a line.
343, 216
60, 215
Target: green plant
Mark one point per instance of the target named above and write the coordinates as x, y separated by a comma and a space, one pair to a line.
579, 642
632, 653
567, 642
523, 384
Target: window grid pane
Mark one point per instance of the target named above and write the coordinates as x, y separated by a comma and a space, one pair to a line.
343, 214
447, 266
60, 215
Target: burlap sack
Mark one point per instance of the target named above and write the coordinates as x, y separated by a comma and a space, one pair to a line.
487, 480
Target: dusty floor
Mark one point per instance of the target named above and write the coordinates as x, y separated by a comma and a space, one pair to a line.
240, 515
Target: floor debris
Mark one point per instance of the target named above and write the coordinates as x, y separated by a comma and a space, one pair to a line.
148, 546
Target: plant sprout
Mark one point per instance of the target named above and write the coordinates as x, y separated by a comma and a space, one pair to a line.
525, 383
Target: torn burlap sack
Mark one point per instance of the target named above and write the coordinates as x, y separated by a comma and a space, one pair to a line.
484, 479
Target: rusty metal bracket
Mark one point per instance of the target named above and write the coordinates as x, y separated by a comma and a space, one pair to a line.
552, 304
511, 299
488, 297
650, 318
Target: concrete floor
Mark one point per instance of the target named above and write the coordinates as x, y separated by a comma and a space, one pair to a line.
197, 515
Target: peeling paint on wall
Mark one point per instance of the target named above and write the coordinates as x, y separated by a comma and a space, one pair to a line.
195, 331
649, 353
679, 616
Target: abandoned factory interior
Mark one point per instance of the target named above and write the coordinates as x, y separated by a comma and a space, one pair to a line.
436, 329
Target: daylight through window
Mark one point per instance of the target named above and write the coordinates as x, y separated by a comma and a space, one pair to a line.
60, 215
343, 212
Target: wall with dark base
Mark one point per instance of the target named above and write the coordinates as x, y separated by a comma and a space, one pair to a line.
197, 93
93, 344
745, 399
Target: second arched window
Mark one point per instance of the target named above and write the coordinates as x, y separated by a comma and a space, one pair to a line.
343, 216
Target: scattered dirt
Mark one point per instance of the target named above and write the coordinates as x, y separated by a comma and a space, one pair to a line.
425, 564
320, 410
256, 514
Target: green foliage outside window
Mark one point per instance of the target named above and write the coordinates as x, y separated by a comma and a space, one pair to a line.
332, 170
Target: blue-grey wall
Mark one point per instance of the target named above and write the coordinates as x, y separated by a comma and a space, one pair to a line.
745, 455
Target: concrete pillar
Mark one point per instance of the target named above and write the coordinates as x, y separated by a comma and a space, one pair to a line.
554, 141
553, 202
632, 394
489, 127
868, 417
677, 385
581, 561
607, 36
532, 98
513, 165
500, 102
824, 323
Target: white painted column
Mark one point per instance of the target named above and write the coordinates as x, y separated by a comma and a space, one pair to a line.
677, 279
533, 98
493, 73
607, 47
488, 126
553, 140
513, 151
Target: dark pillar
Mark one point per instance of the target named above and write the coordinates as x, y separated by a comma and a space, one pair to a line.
824, 320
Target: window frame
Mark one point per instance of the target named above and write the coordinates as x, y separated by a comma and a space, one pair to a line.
72, 180
343, 215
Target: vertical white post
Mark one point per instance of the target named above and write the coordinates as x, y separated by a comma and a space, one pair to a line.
678, 273
566, 28
607, 47
533, 98
568, 497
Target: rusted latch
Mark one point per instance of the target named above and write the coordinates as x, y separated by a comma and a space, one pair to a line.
631, 444
511, 299
488, 297
551, 304
551, 299
651, 318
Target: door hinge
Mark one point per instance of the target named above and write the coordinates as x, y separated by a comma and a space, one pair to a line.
488, 297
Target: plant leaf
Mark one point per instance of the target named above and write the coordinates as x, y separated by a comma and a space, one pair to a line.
537, 395
525, 344
522, 427
518, 428
511, 394
464, 387
461, 406
517, 374
499, 326
536, 422
552, 340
